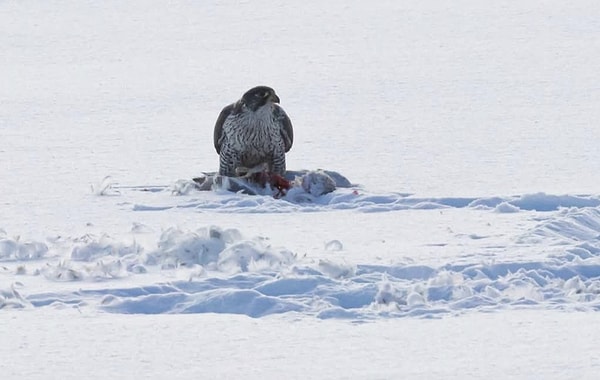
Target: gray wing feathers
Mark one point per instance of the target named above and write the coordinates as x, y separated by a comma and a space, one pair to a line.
218, 133
287, 132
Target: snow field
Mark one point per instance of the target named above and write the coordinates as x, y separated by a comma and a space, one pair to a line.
216, 270
469, 248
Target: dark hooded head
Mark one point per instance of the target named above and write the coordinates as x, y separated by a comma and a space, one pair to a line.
259, 96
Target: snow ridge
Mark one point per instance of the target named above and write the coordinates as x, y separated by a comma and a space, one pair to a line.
215, 270
344, 199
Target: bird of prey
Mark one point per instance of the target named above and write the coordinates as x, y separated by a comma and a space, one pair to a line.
253, 132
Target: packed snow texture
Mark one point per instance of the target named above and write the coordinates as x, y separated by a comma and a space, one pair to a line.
469, 232
220, 271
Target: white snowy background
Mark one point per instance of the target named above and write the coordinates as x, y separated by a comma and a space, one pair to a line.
469, 247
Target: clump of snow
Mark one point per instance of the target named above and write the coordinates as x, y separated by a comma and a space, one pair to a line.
66, 271
388, 294
63, 271
185, 248
317, 183
140, 228
334, 246
8, 249
574, 286
415, 299
11, 298
184, 187
14, 249
253, 256
106, 187
336, 270
216, 249
523, 291
91, 248
506, 207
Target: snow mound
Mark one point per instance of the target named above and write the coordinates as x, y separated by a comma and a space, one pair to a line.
215, 249
14, 249
364, 292
216, 270
11, 298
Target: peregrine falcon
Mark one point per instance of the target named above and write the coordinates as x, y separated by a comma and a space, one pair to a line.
253, 131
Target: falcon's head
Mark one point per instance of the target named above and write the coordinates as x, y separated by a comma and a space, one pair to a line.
257, 97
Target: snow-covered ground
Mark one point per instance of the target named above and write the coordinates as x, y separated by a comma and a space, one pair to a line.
468, 248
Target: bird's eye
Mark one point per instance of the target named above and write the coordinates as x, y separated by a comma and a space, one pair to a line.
266, 94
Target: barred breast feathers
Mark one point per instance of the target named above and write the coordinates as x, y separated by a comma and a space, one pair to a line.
253, 130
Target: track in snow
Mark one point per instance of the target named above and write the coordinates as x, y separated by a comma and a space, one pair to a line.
218, 271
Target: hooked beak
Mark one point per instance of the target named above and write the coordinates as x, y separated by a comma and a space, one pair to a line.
274, 98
